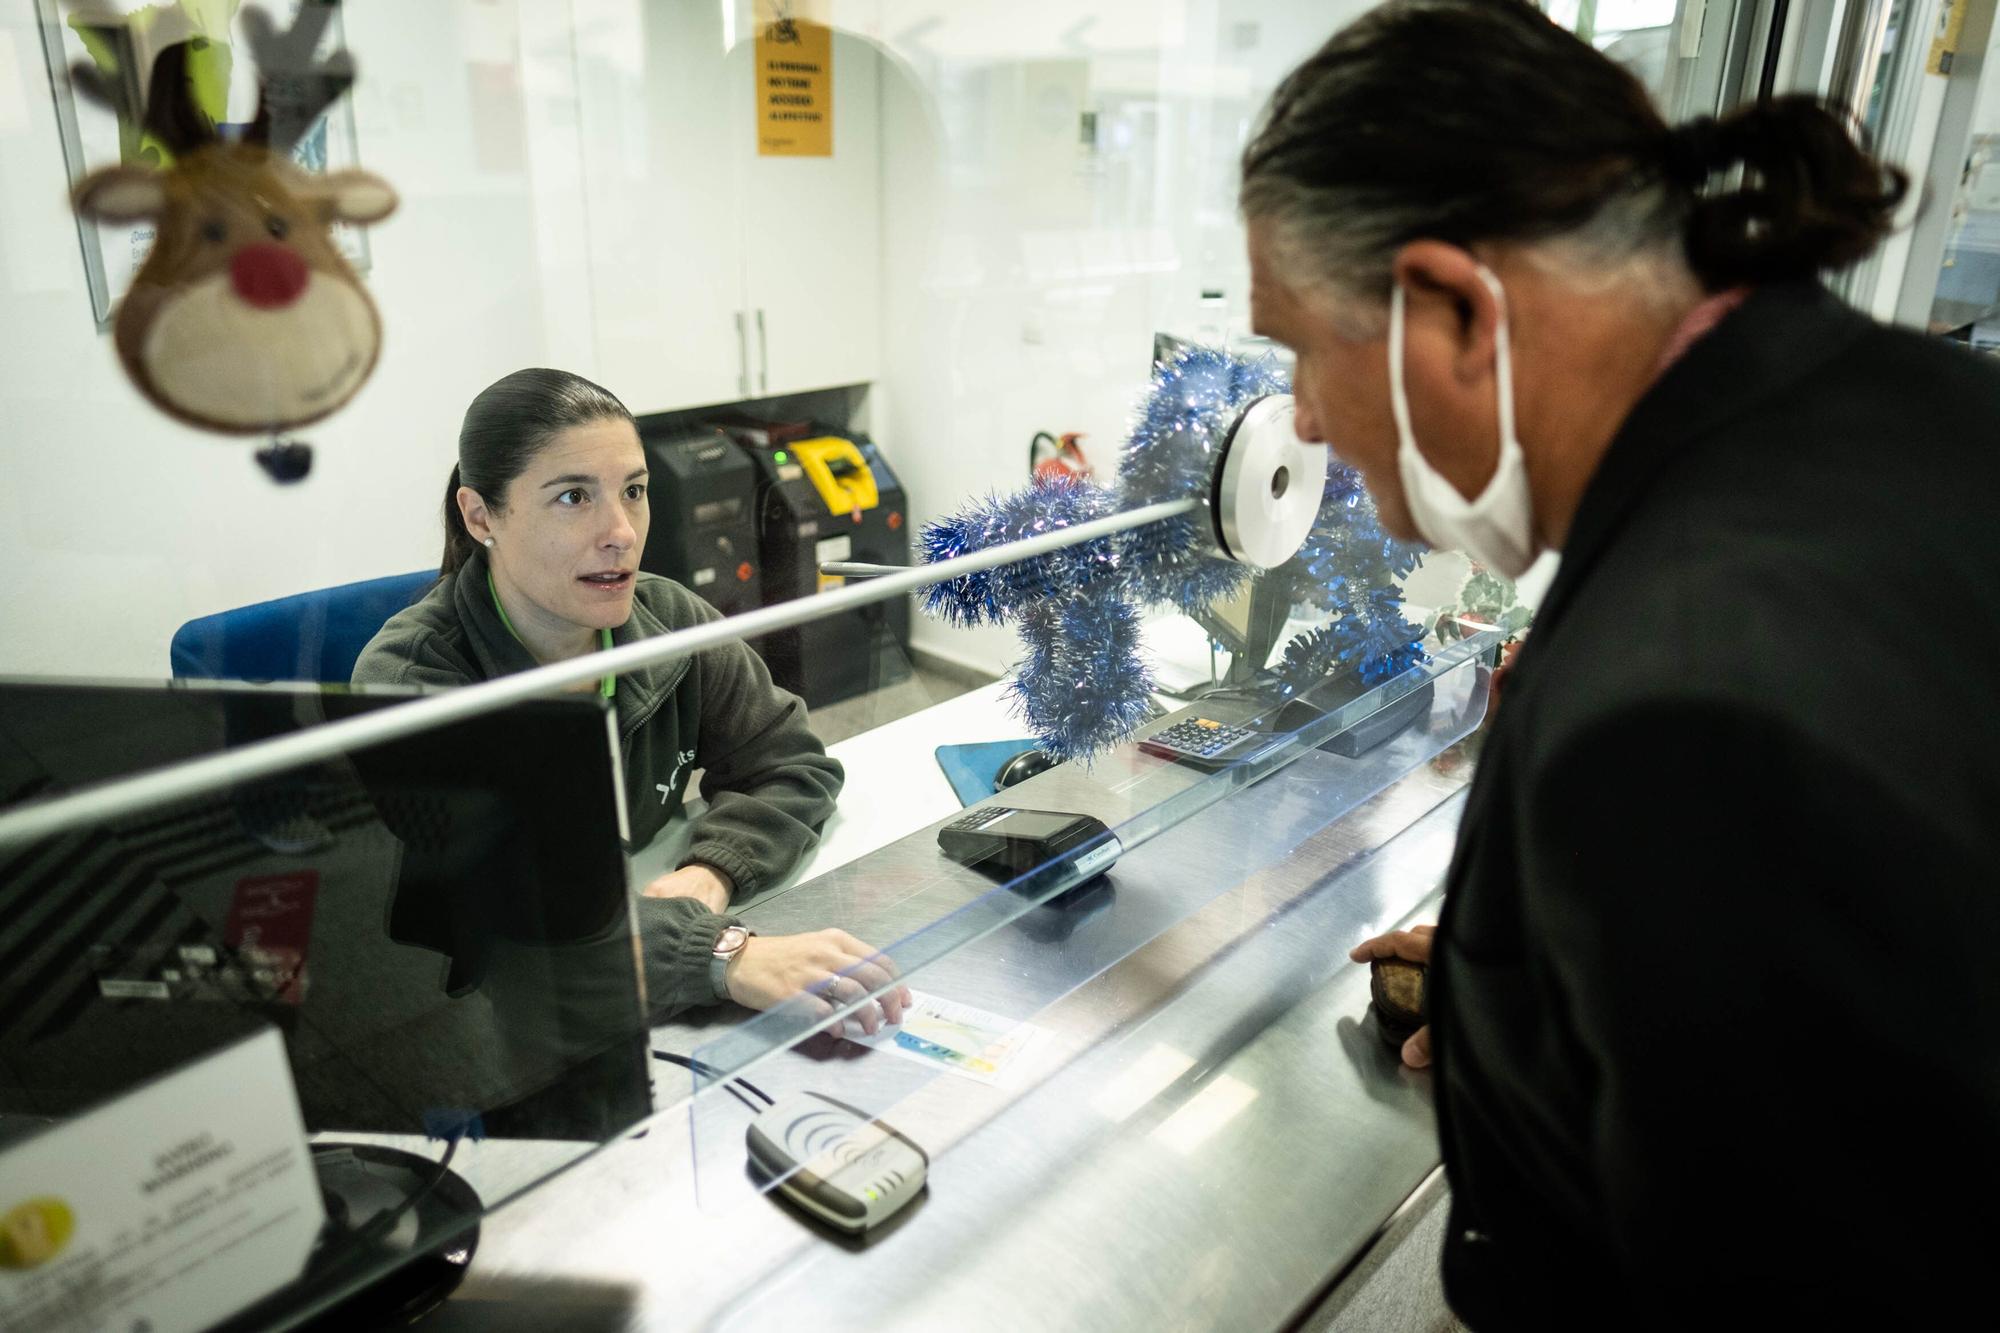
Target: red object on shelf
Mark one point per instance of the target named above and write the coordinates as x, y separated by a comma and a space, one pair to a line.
743, 572
1063, 461
270, 927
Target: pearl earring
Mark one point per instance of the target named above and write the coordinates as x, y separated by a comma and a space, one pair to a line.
489, 541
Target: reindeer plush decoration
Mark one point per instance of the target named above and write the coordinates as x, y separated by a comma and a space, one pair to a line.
244, 319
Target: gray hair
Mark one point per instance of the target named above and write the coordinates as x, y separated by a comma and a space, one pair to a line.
1469, 121
1343, 242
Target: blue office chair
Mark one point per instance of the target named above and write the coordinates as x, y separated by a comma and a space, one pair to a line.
311, 636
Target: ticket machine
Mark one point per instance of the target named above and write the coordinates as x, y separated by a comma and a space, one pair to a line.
826, 496
704, 533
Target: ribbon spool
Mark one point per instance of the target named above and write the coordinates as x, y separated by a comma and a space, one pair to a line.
1267, 486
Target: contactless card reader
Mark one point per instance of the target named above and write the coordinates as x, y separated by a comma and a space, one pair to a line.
834, 1163
1007, 843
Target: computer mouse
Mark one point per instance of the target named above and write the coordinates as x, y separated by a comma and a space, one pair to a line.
1022, 767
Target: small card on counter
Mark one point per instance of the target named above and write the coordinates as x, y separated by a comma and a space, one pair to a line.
171, 1208
960, 1038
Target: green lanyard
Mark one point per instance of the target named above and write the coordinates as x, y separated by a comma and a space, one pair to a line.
608, 687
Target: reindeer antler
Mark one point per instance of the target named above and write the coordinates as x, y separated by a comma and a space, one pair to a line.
117, 92
294, 90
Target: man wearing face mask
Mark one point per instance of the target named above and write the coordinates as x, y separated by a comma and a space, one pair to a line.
1715, 997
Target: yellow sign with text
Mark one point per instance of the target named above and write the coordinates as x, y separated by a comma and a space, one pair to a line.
794, 80
1945, 38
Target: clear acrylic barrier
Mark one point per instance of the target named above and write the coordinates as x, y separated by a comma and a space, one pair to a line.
456, 988
1019, 205
1016, 948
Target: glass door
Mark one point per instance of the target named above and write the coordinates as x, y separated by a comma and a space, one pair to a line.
1690, 53
1949, 280
1909, 72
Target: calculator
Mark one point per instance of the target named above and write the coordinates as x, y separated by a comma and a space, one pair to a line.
1206, 743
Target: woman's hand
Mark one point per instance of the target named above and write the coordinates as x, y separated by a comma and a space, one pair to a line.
830, 965
1412, 946
706, 884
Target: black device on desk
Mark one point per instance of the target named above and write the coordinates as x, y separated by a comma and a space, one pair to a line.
1379, 727
704, 494
439, 965
1019, 768
825, 496
1008, 844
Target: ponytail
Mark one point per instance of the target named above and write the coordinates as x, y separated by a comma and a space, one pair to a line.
1810, 198
458, 543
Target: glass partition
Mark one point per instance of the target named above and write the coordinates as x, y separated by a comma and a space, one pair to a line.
986, 950
456, 988
880, 285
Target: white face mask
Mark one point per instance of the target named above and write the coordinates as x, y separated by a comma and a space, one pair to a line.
1497, 527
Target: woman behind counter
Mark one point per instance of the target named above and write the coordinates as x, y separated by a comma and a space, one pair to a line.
545, 519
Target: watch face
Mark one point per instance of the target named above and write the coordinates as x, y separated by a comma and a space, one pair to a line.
732, 939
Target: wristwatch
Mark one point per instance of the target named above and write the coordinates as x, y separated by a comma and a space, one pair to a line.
727, 945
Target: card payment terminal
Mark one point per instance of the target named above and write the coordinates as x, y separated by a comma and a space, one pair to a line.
1006, 842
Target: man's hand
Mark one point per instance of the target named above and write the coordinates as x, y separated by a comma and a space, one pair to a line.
1412, 946
704, 883
830, 964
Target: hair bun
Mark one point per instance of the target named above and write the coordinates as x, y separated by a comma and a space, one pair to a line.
1693, 152
1811, 199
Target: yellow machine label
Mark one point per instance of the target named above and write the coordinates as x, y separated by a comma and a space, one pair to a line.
839, 473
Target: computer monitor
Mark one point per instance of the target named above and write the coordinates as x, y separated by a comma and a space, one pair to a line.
440, 925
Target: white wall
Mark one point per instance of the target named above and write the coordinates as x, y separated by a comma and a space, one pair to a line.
1025, 276
117, 525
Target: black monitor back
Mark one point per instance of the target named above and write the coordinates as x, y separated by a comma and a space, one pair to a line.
440, 925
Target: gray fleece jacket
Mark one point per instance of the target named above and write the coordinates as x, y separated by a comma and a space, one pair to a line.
767, 779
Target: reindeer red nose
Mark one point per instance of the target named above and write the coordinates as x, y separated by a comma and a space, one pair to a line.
268, 276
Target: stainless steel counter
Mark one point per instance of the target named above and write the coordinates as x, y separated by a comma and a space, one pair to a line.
1210, 1136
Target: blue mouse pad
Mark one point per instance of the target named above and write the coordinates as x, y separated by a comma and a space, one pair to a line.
970, 768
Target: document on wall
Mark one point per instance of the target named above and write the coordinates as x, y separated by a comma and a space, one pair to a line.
959, 1038
170, 1208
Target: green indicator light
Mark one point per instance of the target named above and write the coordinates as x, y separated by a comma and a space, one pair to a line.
781, 456
872, 1196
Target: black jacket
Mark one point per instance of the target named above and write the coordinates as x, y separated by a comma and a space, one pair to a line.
1717, 990
768, 781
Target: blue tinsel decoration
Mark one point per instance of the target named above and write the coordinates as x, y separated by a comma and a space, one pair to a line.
1378, 643
1082, 685
1347, 543
1179, 428
1173, 562
1349, 566
990, 596
1170, 454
